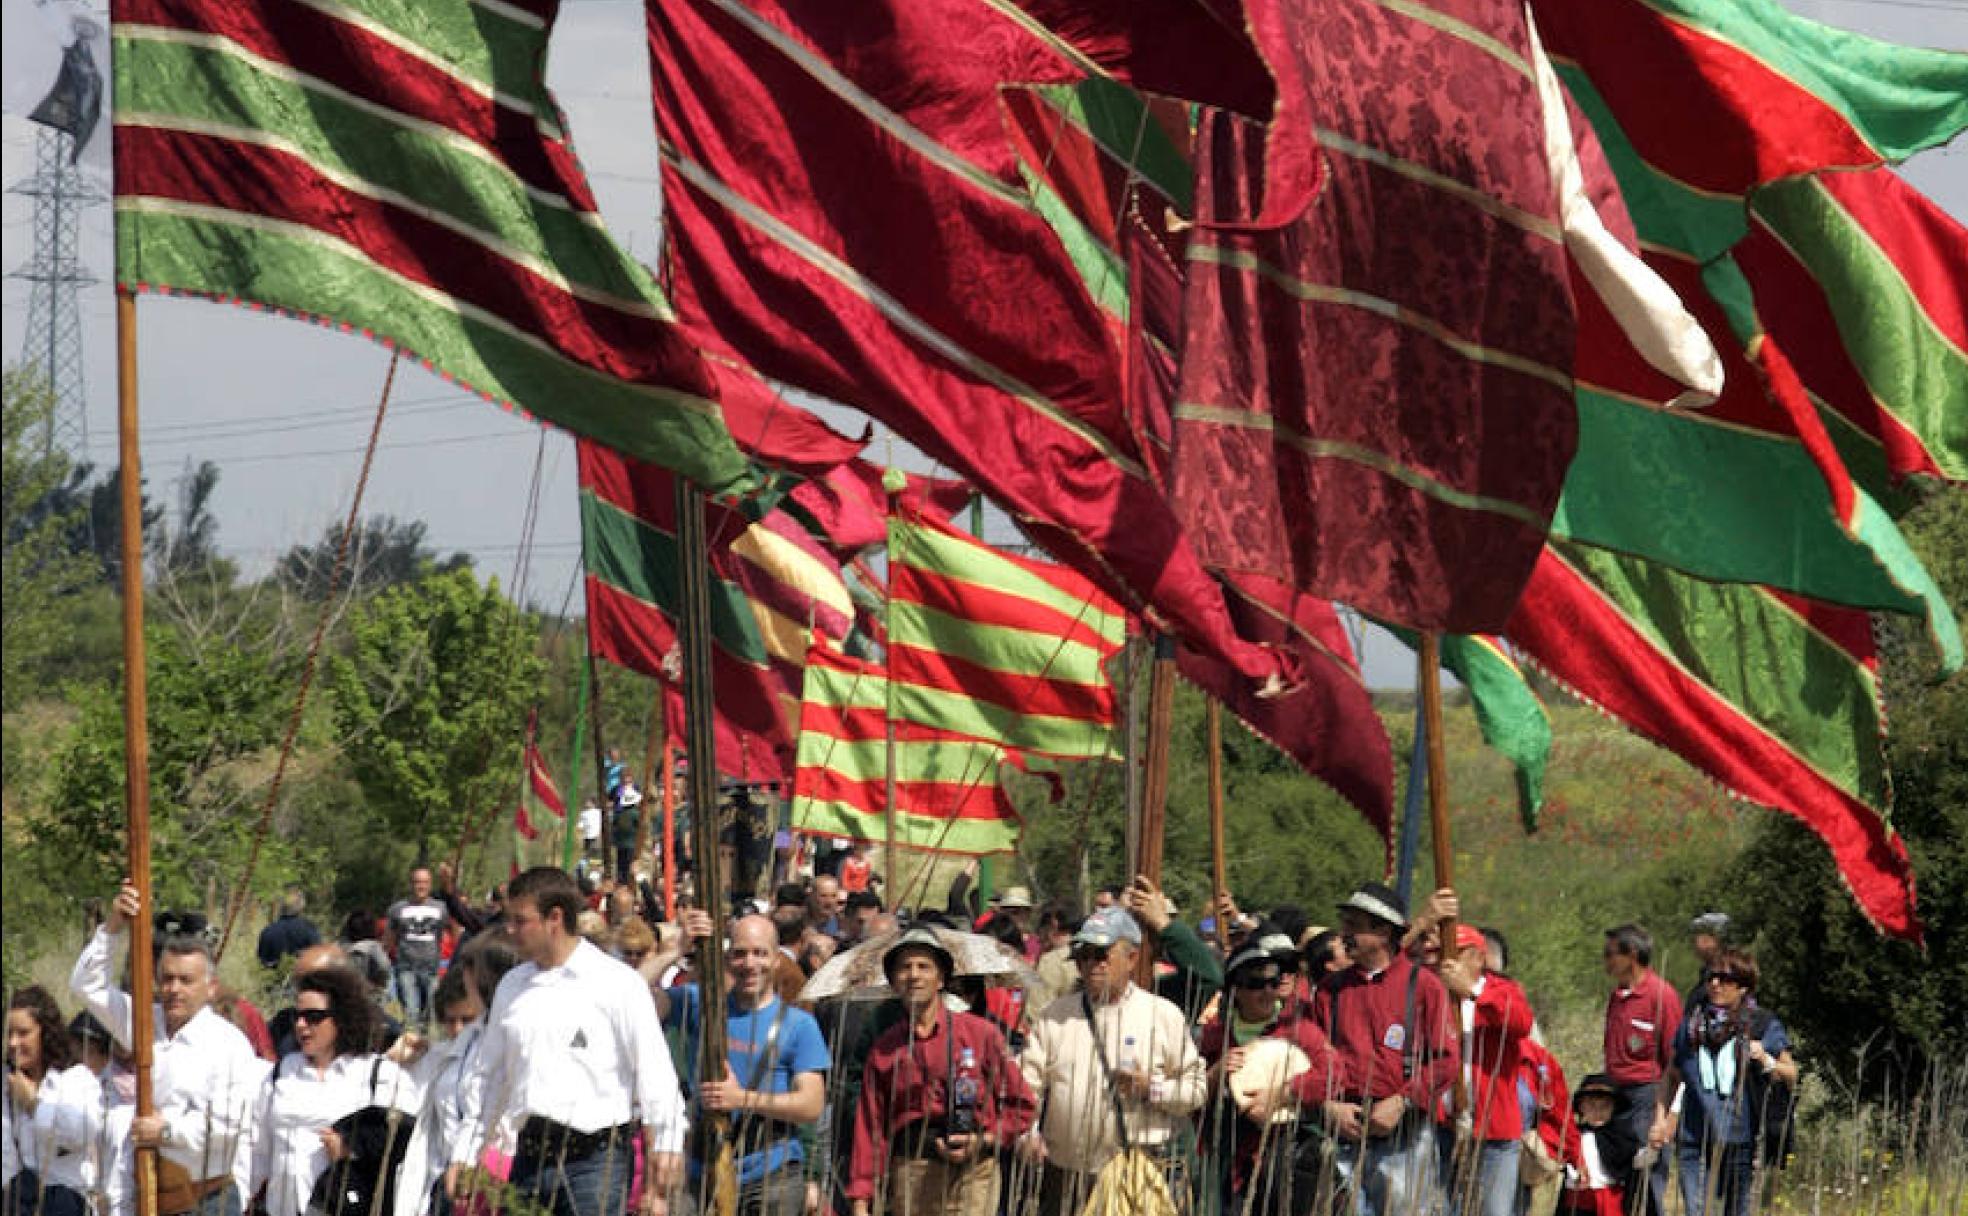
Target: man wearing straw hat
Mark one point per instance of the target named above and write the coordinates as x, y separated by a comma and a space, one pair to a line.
1108, 1062
1396, 1055
939, 1096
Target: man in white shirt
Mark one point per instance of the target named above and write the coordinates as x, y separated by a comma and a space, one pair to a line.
203, 1069
573, 1052
1118, 1052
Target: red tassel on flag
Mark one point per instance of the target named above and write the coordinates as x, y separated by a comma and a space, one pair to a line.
524, 825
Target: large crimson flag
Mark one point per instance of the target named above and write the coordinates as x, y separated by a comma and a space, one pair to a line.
402, 171
845, 213
1375, 400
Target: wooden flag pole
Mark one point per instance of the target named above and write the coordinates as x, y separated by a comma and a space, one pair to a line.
571, 825
1219, 864
891, 859
700, 744
136, 733
600, 762
1438, 777
1154, 785
669, 825
659, 734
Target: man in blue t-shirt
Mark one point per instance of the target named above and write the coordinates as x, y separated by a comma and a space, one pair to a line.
774, 1083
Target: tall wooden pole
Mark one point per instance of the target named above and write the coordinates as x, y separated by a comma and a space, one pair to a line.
136, 730
659, 737
1219, 864
891, 856
701, 745
1154, 784
600, 746
1438, 776
669, 827
571, 827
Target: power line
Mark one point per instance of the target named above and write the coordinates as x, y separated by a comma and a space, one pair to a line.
218, 431
271, 457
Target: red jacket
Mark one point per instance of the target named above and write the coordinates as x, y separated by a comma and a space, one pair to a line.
1308, 1090
906, 1082
1502, 1026
1377, 1053
1556, 1127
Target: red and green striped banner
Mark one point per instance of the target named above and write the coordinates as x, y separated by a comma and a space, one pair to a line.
1775, 698
947, 792
993, 646
772, 587
399, 170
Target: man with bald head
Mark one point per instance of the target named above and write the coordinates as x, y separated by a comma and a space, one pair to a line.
775, 1061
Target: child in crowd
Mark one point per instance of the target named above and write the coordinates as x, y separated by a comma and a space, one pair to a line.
1600, 1154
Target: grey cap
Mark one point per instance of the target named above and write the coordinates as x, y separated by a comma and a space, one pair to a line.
1107, 926
1715, 924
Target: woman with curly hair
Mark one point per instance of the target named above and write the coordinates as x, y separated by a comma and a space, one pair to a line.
52, 1111
335, 1073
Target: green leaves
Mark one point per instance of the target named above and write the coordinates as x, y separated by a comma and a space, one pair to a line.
429, 701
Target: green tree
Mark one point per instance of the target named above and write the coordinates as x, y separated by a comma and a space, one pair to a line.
212, 718
430, 701
385, 552
1872, 1011
39, 570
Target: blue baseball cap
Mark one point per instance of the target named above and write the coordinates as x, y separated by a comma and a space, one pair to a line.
1107, 926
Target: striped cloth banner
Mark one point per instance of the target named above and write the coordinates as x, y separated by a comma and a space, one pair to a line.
540, 777
400, 170
997, 647
948, 797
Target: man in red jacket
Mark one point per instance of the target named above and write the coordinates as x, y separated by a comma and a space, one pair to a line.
1395, 1056
1642, 1013
1496, 1020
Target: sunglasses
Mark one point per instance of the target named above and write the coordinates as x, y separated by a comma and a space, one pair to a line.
313, 1017
1727, 977
1257, 983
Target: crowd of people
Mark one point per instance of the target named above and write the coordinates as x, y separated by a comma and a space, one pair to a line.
544, 1050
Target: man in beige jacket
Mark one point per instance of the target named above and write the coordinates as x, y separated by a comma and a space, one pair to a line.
1109, 1057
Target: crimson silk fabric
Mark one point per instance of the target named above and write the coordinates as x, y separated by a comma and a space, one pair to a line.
845, 214
1375, 398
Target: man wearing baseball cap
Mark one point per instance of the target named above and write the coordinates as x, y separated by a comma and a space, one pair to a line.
1396, 1057
940, 1095
1111, 1061
1496, 1019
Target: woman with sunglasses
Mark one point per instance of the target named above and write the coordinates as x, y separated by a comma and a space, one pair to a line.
1728, 1054
51, 1111
335, 1073
1236, 1129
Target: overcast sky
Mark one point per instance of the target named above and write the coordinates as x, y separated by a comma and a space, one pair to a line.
284, 407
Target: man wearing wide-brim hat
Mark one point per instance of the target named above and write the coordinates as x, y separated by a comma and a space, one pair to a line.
939, 1096
1396, 1056
1108, 1052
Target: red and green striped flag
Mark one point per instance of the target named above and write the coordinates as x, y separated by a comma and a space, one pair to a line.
540, 777
400, 170
997, 647
773, 585
948, 796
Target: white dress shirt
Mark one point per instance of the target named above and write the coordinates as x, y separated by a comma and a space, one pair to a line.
54, 1141
205, 1077
111, 1160
578, 1044
300, 1102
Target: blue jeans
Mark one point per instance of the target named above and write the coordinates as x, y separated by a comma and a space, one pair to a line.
412, 987
1734, 1181
1487, 1185
592, 1186
1392, 1176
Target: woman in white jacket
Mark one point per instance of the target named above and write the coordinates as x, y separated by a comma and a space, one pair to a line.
52, 1111
335, 1073
443, 1073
